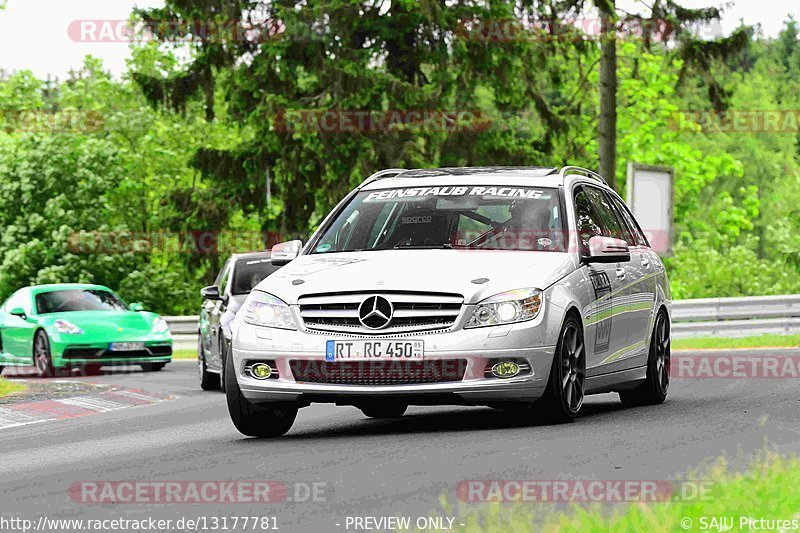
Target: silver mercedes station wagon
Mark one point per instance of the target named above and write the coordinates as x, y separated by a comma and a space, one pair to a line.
522, 289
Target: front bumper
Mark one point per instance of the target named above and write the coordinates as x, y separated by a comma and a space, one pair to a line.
480, 348
69, 352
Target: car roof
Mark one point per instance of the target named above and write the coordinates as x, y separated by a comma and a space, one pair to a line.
511, 176
38, 289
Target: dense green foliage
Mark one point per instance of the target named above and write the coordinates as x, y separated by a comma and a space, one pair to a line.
182, 144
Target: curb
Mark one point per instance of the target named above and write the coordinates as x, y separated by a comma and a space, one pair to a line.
113, 399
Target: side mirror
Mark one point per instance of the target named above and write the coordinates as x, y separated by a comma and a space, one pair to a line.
136, 306
608, 250
18, 311
284, 252
210, 293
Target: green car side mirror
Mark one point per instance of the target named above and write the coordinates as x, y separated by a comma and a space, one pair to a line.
18, 311
136, 306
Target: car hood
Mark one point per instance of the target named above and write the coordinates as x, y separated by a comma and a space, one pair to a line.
475, 274
130, 322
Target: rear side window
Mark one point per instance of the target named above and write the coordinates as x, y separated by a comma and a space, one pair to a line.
638, 236
608, 220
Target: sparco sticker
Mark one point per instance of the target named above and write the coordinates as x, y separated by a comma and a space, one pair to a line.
503, 192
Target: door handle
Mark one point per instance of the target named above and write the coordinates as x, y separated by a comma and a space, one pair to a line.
620, 273
645, 262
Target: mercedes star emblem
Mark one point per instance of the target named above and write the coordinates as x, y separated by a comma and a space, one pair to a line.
375, 312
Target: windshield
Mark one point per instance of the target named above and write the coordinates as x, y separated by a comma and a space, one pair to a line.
486, 217
249, 272
78, 300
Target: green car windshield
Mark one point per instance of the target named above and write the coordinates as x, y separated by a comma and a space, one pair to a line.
78, 300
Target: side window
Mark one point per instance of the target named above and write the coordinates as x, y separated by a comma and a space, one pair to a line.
222, 273
226, 274
608, 220
638, 236
626, 230
587, 223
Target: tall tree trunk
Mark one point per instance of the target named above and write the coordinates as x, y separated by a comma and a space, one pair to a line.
608, 93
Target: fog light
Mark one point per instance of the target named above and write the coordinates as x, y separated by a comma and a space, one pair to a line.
260, 371
506, 369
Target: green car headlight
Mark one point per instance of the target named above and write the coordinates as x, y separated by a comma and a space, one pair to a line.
160, 325
506, 308
263, 309
65, 326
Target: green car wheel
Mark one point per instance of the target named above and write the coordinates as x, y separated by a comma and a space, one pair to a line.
42, 356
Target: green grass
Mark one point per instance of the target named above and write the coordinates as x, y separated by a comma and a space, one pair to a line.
8, 387
767, 489
184, 354
762, 341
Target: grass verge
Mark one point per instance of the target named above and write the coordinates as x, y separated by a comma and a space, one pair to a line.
184, 354
761, 341
9, 387
765, 490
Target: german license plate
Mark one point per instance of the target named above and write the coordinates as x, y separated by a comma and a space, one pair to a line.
126, 346
358, 350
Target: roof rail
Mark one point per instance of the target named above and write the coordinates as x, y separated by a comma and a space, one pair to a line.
382, 174
584, 172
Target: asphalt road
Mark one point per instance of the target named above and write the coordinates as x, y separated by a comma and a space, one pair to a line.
378, 468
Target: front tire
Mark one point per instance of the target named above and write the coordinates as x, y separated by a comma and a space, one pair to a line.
653, 390
208, 380
255, 420
564, 395
384, 410
42, 356
152, 367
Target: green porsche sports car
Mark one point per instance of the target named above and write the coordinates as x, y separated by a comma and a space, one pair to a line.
56, 327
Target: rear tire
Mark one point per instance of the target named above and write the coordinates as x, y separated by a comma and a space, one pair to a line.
208, 380
255, 420
152, 367
563, 397
384, 410
653, 390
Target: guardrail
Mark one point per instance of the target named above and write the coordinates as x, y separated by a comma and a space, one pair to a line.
707, 317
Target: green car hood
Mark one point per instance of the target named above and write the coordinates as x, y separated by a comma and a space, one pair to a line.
106, 325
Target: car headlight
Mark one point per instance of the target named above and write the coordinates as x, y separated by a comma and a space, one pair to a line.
160, 325
266, 310
65, 326
506, 308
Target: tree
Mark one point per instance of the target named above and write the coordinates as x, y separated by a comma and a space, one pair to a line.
672, 25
